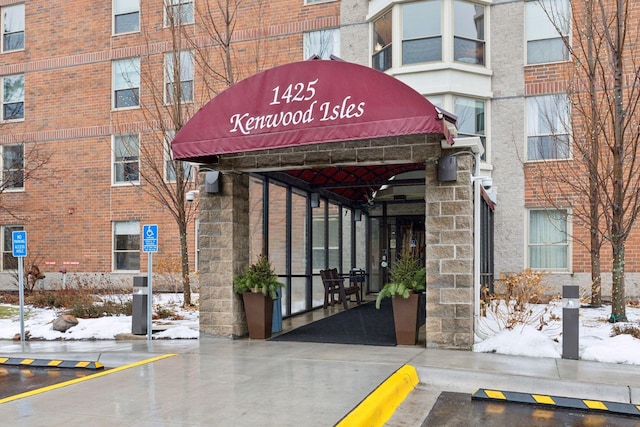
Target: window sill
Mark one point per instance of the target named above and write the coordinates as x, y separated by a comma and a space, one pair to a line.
114, 109
125, 184
439, 66
538, 64
125, 33
12, 51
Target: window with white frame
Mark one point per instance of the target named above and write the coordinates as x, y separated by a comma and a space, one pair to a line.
323, 43
548, 127
126, 16
13, 167
382, 42
178, 12
9, 262
547, 27
170, 165
126, 158
421, 32
470, 114
126, 83
126, 245
426, 38
468, 32
12, 21
178, 68
548, 246
13, 97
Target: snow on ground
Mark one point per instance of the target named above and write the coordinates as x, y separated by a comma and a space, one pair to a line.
596, 342
37, 321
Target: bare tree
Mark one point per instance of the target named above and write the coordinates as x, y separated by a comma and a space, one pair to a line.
170, 98
602, 183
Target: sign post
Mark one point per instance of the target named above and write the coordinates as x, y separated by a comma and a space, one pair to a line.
19, 248
149, 245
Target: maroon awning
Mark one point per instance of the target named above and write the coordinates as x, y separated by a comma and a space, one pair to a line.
306, 102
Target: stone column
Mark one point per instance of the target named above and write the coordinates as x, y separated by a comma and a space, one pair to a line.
224, 252
449, 257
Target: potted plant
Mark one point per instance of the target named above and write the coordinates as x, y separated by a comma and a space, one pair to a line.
258, 284
407, 280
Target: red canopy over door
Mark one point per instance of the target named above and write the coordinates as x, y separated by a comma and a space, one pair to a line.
306, 102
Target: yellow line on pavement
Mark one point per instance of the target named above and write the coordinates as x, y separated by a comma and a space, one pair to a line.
88, 377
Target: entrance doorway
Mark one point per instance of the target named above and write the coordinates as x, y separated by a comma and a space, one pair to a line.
391, 238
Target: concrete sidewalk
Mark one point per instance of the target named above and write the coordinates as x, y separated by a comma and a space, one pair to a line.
217, 382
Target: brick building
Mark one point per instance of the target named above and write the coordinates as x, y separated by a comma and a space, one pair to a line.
80, 97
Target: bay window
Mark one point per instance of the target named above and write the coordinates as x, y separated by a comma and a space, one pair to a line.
421, 32
468, 32
382, 38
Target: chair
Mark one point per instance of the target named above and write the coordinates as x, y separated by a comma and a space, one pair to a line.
334, 285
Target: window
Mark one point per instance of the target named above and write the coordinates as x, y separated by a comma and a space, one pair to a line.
13, 167
319, 243
178, 67
547, 27
126, 245
178, 12
421, 32
470, 113
13, 97
468, 32
126, 152
170, 164
126, 83
323, 43
382, 37
548, 243
12, 27
126, 16
547, 127
9, 262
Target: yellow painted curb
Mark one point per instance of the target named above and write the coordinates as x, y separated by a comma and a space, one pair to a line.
88, 377
378, 407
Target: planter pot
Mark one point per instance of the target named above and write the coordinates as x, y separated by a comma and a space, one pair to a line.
405, 319
259, 312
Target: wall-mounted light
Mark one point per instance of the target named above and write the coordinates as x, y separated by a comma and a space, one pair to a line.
357, 215
315, 200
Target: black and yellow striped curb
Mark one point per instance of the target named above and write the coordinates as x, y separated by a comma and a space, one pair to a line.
557, 401
378, 407
49, 363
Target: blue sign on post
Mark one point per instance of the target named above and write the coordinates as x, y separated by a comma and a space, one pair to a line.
19, 241
150, 238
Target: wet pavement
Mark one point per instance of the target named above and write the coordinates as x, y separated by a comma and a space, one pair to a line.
457, 409
16, 380
248, 383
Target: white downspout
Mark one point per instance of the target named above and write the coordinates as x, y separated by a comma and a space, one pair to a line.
477, 182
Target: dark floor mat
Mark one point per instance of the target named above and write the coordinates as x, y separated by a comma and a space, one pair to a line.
364, 325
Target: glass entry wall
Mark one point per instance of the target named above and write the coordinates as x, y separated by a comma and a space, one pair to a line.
302, 234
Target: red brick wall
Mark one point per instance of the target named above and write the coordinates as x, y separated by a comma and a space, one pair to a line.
68, 208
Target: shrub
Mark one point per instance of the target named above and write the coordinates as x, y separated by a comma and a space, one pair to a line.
625, 328
515, 301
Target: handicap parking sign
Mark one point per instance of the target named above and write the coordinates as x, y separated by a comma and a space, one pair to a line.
150, 238
19, 243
